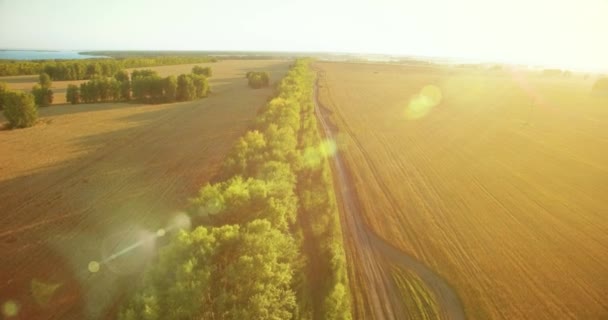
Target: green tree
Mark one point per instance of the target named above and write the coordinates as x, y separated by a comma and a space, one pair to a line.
185, 88
201, 85
43, 95
124, 84
73, 94
258, 79
170, 88
203, 71
19, 109
44, 80
42, 91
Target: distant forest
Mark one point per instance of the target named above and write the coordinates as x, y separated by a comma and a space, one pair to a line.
83, 69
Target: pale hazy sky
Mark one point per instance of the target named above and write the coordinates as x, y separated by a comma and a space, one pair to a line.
571, 33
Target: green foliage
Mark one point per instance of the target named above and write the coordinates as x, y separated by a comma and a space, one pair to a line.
170, 88
229, 272
72, 94
144, 85
191, 86
43, 96
89, 68
19, 109
122, 77
202, 71
100, 90
258, 220
257, 79
185, 88
148, 87
136, 74
3, 90
44, 80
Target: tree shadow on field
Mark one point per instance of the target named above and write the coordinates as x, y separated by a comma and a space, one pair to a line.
63, 225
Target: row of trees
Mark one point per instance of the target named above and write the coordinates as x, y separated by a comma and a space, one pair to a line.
90, 68
251, 259
257, 79
143, 85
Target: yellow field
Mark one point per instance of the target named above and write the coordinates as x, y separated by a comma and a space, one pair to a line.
502, 187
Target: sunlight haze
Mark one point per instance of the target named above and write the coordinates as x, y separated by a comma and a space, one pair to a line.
567, 34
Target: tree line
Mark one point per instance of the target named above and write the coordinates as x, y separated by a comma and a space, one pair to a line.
143, 85
251, 255
90, 68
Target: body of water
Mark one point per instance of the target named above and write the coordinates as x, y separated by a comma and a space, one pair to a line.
42, 55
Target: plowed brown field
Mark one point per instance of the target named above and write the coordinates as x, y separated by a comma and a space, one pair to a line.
90, 179
501, 187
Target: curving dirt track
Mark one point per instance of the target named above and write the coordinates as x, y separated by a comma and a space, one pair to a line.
371, 254
92, 179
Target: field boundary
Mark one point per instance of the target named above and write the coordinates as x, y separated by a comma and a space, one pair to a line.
373, 245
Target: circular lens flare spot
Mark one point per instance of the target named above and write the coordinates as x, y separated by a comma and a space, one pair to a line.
10, 309
423, 102
161, 232
93, 266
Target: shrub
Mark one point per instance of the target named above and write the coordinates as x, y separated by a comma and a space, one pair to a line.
72, 94
203, 71
42, 92
43, 96
258, 80
19, 109
44, 80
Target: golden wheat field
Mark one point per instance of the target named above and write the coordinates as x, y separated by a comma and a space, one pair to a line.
498, 180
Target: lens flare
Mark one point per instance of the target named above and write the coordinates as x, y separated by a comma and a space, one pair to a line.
93, 266
179, 221
127, 252
313, 156
423, 102
10, 309
160, 232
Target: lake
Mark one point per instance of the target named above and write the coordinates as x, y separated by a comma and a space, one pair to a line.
42, 55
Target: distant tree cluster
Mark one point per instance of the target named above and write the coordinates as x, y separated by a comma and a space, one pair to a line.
100, 89
202, 71
19, 108
42, 92
257, 79
143, 85
249, 260
89, 68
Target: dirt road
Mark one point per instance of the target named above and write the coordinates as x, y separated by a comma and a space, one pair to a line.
372, 254
89, 181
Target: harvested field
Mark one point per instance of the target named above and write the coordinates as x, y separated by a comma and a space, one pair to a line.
90, 179
500, 188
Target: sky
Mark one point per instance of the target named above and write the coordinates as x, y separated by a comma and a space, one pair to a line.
568, 34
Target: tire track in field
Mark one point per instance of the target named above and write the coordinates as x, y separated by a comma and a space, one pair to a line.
372, 251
